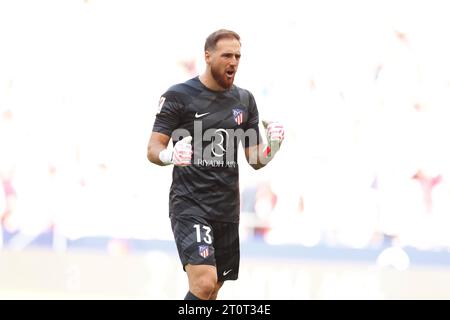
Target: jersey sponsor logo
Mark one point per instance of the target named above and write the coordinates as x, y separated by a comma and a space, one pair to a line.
201, 114
216, 163
238, 115
161, 103
203, 251
217, 147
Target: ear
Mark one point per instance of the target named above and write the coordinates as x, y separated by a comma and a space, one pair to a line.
207, 57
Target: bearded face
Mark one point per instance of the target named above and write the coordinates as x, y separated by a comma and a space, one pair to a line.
224, 61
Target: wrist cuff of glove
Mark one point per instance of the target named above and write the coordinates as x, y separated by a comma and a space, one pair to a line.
267, 151
166, 157
271, 149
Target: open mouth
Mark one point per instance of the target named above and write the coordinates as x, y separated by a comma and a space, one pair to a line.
230, 73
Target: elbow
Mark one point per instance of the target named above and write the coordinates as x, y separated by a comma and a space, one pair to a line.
257, 166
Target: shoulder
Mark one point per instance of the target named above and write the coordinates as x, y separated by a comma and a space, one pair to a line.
179, 95
244, 95
241, 90
183, 91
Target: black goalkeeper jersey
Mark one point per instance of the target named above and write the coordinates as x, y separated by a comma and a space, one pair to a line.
218, 122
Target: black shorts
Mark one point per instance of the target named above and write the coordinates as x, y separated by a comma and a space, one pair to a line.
200, 241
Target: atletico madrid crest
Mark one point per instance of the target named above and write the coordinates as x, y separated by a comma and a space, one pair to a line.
238, 116
203, 251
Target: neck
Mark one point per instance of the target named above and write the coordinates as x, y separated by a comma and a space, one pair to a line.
208, 81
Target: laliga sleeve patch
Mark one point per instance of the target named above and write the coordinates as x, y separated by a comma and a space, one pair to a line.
161, 103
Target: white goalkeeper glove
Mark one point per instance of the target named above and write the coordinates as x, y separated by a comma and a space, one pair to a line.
275, 136
180, 155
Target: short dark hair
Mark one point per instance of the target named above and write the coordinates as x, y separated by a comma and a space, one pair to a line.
214, 37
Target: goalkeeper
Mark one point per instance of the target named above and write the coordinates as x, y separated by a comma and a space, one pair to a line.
203, 116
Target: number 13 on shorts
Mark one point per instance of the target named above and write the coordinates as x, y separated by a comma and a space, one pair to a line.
207, 236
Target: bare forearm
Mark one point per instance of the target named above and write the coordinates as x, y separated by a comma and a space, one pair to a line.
260, 155
261, 161
158, 143
153, 151
257, 156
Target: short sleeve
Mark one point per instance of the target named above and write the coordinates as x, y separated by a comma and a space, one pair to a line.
252, 123
169, 113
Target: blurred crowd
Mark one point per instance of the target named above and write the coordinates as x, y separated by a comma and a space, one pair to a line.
364, 162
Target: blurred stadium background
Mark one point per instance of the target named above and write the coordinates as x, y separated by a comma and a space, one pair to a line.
356, 206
